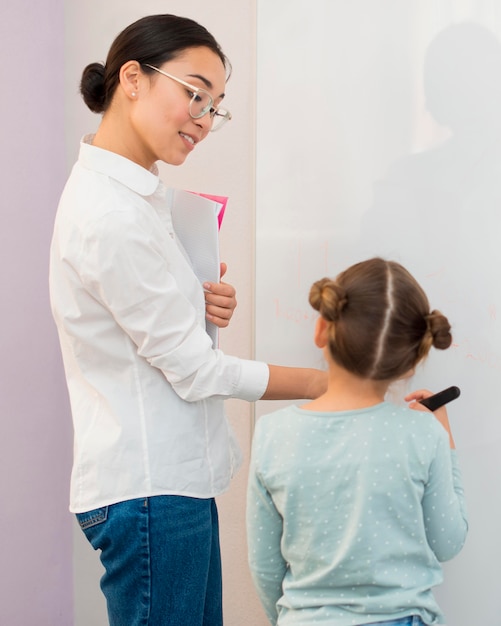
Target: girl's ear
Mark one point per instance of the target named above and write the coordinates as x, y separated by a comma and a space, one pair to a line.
321, 333
130, 77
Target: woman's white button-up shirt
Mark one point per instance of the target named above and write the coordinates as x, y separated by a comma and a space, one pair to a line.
146, 386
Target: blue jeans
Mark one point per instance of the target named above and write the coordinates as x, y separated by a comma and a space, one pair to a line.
411, 620
162, 560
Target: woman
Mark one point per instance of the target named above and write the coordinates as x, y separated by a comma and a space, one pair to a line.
152, 444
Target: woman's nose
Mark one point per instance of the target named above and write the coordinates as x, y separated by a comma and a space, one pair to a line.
205, 122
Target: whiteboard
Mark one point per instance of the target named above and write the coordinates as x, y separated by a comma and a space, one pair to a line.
379, 133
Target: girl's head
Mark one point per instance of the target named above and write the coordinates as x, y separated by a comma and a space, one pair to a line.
160, 89
377, 319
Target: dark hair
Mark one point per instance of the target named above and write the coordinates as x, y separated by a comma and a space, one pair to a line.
381, 324
154, 39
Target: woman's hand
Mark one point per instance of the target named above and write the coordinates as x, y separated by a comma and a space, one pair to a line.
220, 301
440, 414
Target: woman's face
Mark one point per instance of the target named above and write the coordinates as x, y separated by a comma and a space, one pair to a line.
160, 117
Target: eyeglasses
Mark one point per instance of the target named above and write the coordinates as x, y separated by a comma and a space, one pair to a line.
201, 102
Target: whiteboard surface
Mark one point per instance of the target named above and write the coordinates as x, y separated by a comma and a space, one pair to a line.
379, 133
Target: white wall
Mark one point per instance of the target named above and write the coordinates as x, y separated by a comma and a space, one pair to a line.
224, 165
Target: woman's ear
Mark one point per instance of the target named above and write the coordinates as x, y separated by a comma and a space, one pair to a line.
130, 78
321, 333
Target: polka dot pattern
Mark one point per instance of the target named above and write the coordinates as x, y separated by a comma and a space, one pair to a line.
350, 514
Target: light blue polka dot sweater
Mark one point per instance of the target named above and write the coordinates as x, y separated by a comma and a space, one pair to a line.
349, 514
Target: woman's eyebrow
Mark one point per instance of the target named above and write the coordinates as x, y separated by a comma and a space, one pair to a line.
205, 81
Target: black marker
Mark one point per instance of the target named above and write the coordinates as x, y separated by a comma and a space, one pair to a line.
439, 399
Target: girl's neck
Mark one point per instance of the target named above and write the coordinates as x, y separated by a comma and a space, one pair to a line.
346, 391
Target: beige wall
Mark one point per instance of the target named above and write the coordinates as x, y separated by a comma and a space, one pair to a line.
224, 164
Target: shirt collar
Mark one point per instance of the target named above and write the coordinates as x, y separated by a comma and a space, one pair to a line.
142, 181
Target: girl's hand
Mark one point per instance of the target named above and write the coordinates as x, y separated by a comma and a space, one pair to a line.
441, 413
220, 301
415, 396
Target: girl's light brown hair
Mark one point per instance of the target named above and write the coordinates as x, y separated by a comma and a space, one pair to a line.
381, 325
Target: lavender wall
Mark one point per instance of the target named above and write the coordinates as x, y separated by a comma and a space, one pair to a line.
35, 431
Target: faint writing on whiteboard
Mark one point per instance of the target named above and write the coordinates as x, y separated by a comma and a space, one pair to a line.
465, 348
293, 314
468, 350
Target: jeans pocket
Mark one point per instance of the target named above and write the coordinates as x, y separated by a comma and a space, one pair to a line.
93, 526
92, 518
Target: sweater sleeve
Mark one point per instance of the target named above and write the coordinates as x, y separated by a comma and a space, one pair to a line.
444, 507
264, 533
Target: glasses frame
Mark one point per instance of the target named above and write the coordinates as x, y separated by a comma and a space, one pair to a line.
223, 114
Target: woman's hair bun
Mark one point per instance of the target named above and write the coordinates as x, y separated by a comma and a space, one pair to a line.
439, 328
328, 298
92, 87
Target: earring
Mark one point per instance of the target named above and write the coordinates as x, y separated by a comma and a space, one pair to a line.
133, 94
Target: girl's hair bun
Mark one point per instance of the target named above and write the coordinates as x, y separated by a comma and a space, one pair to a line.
439, 328
328, 298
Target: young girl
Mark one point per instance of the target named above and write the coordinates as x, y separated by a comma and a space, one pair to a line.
152, 444
352, 501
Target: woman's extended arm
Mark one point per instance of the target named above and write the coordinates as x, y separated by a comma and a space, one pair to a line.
292, 383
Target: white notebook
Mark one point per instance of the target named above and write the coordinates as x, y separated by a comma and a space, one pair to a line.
196, 221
